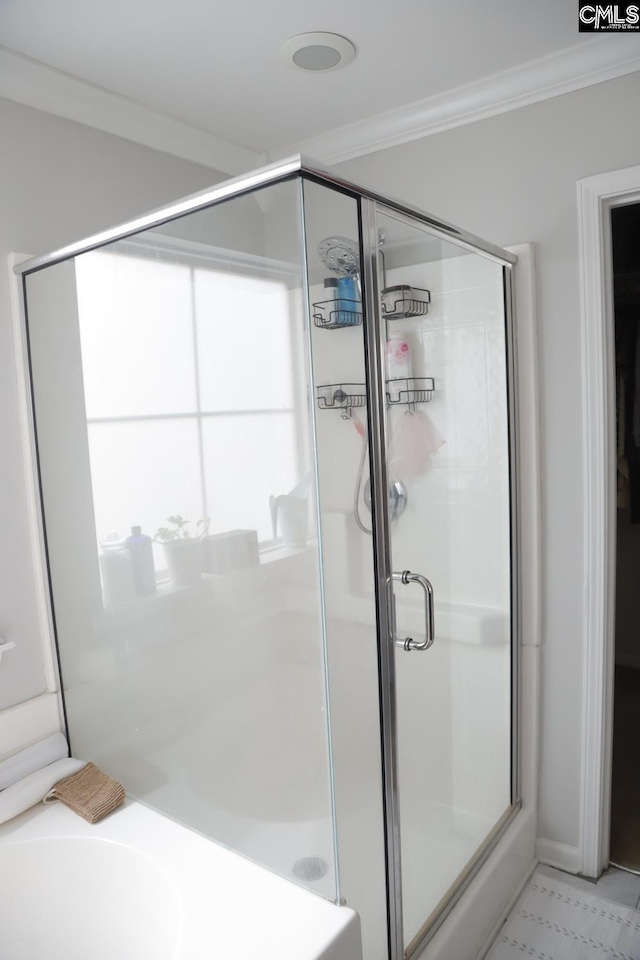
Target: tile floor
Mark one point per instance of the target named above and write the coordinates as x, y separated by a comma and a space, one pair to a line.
616, 885
561, 917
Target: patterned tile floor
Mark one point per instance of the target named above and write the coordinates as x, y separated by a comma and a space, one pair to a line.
616, 885
559, 917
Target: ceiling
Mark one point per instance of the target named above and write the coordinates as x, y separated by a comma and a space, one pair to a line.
215, 67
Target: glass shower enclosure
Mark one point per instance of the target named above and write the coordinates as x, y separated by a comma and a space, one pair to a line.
274, 429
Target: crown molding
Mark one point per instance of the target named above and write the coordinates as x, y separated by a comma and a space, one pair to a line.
44, 88
37, 85
603, 58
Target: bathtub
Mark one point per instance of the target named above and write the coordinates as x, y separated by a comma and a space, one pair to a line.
141, 887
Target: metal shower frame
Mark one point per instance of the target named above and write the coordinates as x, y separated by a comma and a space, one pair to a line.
369, 203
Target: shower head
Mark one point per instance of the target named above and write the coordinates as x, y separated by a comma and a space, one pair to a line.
340, 255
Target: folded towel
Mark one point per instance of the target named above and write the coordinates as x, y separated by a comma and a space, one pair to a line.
90, 793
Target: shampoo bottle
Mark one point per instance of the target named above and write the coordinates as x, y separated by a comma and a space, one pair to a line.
330, 298
116, 570
144, 573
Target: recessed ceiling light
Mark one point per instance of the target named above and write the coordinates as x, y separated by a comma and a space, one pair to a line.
318, 52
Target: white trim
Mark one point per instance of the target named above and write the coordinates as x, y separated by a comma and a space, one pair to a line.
29, 722
596, 196
37, 718
529, 439
37, 85
34, 514
43, 87
176, 249
562, 72
559, 855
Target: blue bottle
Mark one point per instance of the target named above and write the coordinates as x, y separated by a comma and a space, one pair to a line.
348, 301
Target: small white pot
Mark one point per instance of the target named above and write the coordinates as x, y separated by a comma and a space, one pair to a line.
184, 560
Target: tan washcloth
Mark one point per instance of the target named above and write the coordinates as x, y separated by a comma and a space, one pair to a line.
90, 793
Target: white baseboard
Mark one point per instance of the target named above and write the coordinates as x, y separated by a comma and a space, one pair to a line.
559, 855
28, 722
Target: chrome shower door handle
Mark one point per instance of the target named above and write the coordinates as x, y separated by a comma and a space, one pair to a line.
409, 643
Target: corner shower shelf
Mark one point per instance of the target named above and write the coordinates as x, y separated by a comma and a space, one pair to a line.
403, 301
341, 396
332, 314
398, 303
345, 396
410, 390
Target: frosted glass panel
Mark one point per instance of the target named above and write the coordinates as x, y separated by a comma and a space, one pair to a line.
350, 603
242, 472
245, 342
137, 337
135, 482
173, 409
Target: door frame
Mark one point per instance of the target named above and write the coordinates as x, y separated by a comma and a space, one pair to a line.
596, 197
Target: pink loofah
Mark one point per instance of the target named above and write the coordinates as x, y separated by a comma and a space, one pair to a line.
414, 443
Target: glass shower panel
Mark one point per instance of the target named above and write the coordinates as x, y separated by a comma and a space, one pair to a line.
448, 449
173, 399
337, 337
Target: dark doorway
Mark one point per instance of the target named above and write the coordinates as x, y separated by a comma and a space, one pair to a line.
625, 795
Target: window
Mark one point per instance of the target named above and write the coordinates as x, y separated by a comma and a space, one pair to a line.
192, 403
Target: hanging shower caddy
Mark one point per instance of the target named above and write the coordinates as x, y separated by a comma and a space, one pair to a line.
345, 396
403, 301
331, 314
343, 308
399, 302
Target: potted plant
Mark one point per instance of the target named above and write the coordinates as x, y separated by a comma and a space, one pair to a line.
182, 550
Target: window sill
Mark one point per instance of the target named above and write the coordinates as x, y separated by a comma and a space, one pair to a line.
211, 587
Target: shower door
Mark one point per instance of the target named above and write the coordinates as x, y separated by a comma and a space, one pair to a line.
438, 366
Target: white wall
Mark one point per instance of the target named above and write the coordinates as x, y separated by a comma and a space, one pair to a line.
59, 181
512, 178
